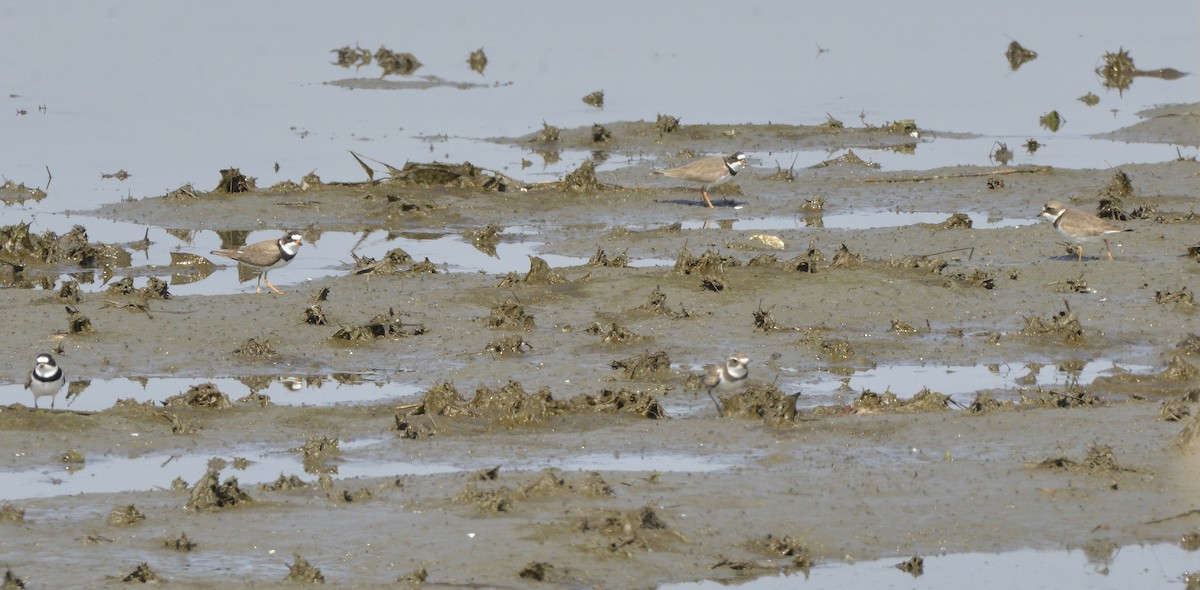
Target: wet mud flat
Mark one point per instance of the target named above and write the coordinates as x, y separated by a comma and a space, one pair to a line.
529, 379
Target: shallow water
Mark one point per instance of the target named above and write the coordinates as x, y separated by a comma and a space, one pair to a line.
322, 390
174, 105
101, 475
961, 383
1144, 566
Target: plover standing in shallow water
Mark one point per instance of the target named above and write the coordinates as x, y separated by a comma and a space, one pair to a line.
46, 379
729, 376
266, 255
709, 172
1080, 226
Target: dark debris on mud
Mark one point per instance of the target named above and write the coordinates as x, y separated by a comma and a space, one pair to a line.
926, 400
1063, 325
510, 315
794, 549
255, 348
539, 273
393, 62
11, 581
391, 324
23, 251
914, 566
511, 406
302, 571
1118, 71
1017, 55
143, 575
759, 401
125, 515
10, 513
626, 532
210, 495
643, 365
612, 333
204, 395
181, 543
395, 261
16, 193
602, 259
1098, 460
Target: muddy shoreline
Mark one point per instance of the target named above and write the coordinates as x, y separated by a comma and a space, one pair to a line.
1046, 465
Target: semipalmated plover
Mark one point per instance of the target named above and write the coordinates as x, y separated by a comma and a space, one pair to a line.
709, 172
45, 379
1080, 226
728, 377
266, 255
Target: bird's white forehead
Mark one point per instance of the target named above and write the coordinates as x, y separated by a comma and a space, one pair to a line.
43, 358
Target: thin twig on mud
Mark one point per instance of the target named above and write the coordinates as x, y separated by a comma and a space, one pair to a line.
969, 256
1192, 512
927, 178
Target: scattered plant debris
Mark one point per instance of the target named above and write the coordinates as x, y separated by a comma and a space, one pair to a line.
233, 181
255, 348
485, 239
1052, 121
847, 159
143, 574
180, 543
119, 175
10, 513
514, 345
396, 63
595, 99
600, 134
612, 333
914, 565
77, 323
666, 124
1119, 71
11, 581
1000, 153
760, 401
1017, 56
204, 395
384, 325
643, 365
540, 273
1064, 324
301, 571
1099, 460
477, 60
510, 315
600, 258
208, 495
1182, 299
549, 133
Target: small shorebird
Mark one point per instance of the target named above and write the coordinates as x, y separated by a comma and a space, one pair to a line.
45, 379
709, 172
266, 255
728, 377
1080, 226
